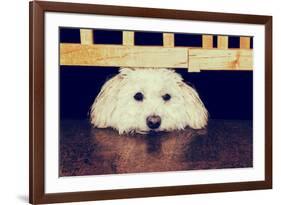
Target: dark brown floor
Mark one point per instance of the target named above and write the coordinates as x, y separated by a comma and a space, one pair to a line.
88, 151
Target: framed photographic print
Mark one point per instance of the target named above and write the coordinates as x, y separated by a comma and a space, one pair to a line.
140, 102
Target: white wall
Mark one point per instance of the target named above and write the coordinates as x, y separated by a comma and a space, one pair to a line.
14, 100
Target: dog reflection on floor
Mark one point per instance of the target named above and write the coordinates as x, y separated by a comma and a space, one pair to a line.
142, 153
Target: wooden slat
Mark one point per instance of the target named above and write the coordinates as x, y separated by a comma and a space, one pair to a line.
245, 42
223, 42
207, 41
86, 36
168, 40
118, 55
128, 38
220, 59
195, 59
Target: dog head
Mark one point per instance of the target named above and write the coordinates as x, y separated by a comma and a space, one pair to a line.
143, 100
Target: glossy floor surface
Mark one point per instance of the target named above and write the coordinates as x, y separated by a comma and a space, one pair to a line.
88, 151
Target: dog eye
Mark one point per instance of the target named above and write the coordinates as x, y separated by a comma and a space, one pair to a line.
138, 96
166, 97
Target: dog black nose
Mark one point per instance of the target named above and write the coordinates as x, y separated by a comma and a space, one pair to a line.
153, 121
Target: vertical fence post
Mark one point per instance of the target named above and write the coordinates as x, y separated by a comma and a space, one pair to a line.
207, 41
245, 42
86, 36
223, 42
128, 38
168, 40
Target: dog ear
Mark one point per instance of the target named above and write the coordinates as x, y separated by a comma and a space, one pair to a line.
196, 113
104, 105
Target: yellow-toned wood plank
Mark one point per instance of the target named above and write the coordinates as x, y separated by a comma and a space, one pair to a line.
168, 40
86, 36
118, 55
223, 42
128, 38
192, 68
207, 41
245, 42
220, 59
195, 59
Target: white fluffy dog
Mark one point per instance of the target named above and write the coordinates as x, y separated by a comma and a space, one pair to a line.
142, 100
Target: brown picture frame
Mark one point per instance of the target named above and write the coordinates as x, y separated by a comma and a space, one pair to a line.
37, 10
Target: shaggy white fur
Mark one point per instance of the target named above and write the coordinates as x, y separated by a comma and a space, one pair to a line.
116, 106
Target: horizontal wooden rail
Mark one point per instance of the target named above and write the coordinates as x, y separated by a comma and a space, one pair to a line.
220, 59
129, 55
195, 59
118, 55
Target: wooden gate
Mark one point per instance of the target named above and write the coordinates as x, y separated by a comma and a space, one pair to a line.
168, 56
